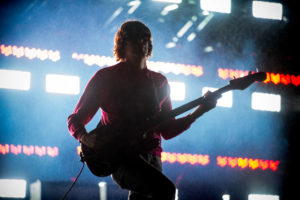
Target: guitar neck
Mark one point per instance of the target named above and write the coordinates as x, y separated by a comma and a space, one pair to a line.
177, 111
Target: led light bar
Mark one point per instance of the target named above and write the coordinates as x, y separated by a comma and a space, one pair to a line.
221, 161
169, 1
177, 91
169, 8
30, 150
222, 6
225, 197
267, 10
266, 102
244, 163
35, 190
185, 158
30, 53
103, 190
262, 197
11, 79
277, 78
62, 84
12, 188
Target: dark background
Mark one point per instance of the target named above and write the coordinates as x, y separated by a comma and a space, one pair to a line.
239, 41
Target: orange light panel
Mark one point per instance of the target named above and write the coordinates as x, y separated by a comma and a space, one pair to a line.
29, 150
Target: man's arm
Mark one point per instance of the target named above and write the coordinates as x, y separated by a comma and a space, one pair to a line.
174, 127
86, 107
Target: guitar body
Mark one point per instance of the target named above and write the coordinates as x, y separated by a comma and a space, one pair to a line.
106, 147
96, 163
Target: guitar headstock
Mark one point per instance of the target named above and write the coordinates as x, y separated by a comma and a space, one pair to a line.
244, 82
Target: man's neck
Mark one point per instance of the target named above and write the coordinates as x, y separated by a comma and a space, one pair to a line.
137, 65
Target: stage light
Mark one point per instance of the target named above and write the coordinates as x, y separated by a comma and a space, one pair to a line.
204, 22
170, 45
223, 6
114, 15
262, 197
11, 79
103, 190
266, 102
134, 5
191, 36
169, 8
208, 49
30, 53
276, 79
185, 158
168, 1
12, 188
29, 150
244, 163
225, 197
184, 29
62, 84
224, 101
36, 190
201, 25
177, 91
176, 194
176, 68
205, 13
267, 10
231, 73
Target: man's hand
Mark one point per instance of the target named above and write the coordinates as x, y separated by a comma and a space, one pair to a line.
210, 102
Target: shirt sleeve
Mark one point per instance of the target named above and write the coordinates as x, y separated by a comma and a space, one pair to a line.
86, 107
172, 127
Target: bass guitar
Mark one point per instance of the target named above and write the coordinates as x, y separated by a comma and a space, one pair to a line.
104, 148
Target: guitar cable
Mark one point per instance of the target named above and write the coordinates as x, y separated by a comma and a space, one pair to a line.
70, 188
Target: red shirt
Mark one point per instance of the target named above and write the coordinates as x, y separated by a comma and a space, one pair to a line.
125, 95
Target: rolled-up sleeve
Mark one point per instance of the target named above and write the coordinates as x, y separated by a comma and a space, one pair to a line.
86, 107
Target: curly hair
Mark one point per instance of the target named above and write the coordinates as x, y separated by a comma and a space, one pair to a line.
131, 31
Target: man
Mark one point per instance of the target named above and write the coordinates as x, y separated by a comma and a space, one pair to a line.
126, 93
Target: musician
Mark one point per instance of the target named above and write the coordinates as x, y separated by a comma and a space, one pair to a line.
126, 93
